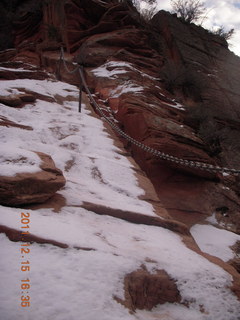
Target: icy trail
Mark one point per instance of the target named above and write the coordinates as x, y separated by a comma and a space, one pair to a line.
73, 284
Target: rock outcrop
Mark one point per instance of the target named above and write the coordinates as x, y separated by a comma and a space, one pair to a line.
130, 66
16, 100
5, 122
31, 187
11, 70
144, 290
146, 111
201, 51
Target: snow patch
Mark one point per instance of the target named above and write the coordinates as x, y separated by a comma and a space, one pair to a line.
175, 105
14, 160
125, 88
118, 67
14, 69
215, 241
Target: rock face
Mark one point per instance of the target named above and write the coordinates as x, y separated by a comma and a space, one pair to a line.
131, 68
128, 67
29, 13
16, 101
218, 66
26, 188
145, 291
12, 70
203, 73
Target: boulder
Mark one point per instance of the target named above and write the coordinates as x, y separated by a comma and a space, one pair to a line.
27, 187
144, 290
11, 100
17, 100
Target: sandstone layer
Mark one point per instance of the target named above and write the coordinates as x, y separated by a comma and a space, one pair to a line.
26, 188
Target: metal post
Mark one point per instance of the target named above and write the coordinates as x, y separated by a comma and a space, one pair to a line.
59, 65
80, 92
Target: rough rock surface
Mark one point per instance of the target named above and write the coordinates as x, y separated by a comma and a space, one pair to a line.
134, 217
144, 290
17, 100
16, 235
109, 34
8, 123
152, 117
218, 66
236, 264
10, 70
25, 188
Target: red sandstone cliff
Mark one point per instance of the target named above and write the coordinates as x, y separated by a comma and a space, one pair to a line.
150, 78
109, 34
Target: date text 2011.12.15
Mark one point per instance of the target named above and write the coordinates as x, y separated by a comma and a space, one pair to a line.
25, 263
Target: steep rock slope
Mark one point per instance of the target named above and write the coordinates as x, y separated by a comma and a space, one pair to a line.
200, 51
124, 61
102, 246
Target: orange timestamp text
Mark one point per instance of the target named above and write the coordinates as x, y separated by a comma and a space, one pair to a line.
25, 263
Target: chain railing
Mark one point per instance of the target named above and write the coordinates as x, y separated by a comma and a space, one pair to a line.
164, 156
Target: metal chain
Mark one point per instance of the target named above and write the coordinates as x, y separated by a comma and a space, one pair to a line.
65, 64
164, 156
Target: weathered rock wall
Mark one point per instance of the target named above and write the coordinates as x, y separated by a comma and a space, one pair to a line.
198, 50
111, 35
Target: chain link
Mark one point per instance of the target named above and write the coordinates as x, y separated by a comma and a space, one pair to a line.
65, 64
164, 156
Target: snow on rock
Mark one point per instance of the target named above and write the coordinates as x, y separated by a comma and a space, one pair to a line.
112, 68
175, 104
145, 290
215, 241
127, 87
27, 177
16, 160
65, 283
77, 284
44, 87
13, 69
78, 145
